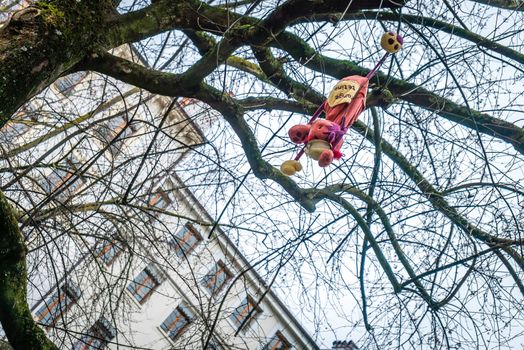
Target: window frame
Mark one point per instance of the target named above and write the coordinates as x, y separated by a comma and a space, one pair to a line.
214, 290
187, 101
247, 317
153, 275
186, 315
159, 195
13, 129
180, 251
79, 76
16, 127
101, 330
69, 293
214, 344
279, 337
66, 172
107, 133
101, 251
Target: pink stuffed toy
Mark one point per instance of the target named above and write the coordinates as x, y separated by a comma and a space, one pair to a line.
323, 138
321, 130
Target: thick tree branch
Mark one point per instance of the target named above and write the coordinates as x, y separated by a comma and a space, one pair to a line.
15, 316
167, 15
293, 9
270, 103
427, 22
163, 15
48, 38
167, 84
515, 5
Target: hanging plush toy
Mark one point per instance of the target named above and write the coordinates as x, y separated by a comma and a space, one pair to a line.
323, 138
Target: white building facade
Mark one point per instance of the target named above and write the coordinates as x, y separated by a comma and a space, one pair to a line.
133, 261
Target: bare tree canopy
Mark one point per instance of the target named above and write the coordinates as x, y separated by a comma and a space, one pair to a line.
412, 240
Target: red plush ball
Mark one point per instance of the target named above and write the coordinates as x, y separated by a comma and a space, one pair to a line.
299, 133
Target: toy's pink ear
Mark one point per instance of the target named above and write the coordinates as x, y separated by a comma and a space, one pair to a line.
326, 158
299, 133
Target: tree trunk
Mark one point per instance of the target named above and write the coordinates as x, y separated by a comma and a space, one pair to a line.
37, 45
15, 316
42, 41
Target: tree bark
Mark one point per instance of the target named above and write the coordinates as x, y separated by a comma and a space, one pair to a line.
37, 45
15, 316
42, 41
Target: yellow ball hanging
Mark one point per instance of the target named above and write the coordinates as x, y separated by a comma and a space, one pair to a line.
391, 42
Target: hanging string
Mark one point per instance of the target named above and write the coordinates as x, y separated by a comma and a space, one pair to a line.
372, 72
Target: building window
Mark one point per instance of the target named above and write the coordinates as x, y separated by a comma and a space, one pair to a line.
185, 240
160, 199
177, 322
214, 345
13, 129
64, 175
245, 313
344, 345
145, 283
108, 251
217, 278
97, 337
277, 342
186, 101
115, 127
19, 125
61, 301
66, 84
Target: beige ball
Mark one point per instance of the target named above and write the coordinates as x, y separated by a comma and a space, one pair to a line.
315, 148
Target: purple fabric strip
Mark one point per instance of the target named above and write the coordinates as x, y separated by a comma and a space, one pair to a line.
377, 66
301, 152
317, 113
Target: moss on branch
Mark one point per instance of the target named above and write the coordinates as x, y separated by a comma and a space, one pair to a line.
513, 5
275, 72
42, 41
